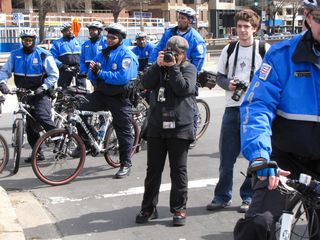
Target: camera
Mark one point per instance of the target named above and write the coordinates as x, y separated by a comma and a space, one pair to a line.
241, 87
168, 56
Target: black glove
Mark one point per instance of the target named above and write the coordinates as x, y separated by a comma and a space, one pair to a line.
63, 66
4, 88
96, 68
40, 91
82, 76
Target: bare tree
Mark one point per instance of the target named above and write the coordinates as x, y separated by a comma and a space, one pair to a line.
275, 7
296, 6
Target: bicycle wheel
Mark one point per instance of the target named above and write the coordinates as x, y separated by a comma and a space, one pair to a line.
140, 112
18, 130
4, 153
203, 118
58, 166
112, 145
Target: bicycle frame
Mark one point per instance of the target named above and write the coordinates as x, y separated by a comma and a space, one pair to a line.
75, 118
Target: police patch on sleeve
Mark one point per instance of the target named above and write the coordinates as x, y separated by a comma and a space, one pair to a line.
126, 63
264, 71
200, 49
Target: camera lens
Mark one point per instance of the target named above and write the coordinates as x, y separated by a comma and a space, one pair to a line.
168, 57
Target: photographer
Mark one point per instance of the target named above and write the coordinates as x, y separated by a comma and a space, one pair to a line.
172, 80
234, 75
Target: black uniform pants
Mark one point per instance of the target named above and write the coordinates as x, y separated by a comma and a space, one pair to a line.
158, 148
121, 110
266, 206
43, 116
65, 79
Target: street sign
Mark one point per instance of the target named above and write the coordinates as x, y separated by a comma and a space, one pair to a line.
18, 18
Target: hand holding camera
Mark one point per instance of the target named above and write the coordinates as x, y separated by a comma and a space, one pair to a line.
95, 67
239, 87
167, 58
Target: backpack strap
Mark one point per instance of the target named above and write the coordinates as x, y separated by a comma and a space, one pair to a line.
230, 50
262, 48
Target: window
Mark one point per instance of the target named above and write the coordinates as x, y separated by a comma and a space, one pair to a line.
289, 11
226, 1
17, 4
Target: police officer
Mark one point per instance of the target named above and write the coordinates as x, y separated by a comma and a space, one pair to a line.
197, 47
110, 72
92, 47
66, 52
143, 50
280, 121
33, 68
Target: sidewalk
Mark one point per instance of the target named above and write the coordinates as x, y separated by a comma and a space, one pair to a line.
10, 228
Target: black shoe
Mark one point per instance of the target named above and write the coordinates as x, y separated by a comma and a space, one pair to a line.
40, 157
123, 172
179, 218
144, 216
76, 152
193, 144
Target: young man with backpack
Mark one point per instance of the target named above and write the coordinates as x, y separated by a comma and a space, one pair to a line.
237, 64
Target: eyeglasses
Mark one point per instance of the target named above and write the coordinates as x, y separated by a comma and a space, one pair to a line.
112, 37
316, 17
27, 39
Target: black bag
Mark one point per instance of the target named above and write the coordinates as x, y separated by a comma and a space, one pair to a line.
207, 79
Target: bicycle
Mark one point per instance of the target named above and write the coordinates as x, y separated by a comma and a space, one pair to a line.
303, 198
203, 117
60, 165
4, 148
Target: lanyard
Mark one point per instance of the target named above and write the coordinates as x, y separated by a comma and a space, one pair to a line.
252, 59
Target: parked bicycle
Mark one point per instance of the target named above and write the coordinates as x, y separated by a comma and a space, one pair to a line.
303, 199
4, 149
203, 118
58, 145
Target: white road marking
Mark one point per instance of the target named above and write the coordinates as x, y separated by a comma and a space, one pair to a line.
201, 183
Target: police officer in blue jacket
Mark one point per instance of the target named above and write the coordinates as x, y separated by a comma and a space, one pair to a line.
111, 72
33, 68
280, 121
143, 50
197, 47
92, 47
66, 52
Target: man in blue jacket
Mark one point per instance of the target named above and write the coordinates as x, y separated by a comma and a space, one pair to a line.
110, 72
143, 50
33, 68
280, 121
66, 52
92, 47
197, 47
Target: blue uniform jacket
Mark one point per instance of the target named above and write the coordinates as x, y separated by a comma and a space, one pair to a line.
143, 54
122, 66
89, 50
197, 47
282, 106
30, 70
66, 51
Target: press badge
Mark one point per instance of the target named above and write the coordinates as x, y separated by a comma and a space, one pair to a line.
168, 118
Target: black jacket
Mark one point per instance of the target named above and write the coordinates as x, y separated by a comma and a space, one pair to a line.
180, 84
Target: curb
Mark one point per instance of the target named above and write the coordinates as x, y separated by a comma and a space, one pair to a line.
10, 228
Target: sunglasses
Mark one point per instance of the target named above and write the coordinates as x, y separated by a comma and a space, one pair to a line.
316, 17
112, 37
27, 39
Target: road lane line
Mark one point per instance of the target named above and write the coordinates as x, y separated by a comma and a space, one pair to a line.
201, 183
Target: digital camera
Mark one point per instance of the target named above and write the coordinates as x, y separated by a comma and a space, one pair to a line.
241, 87
168, 56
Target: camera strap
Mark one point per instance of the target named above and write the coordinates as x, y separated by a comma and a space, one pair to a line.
252, 59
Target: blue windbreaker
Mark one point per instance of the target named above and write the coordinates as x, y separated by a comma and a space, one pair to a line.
143, 54
197, 47
89, 50
66, 51
30, 70
122, 66
282, 106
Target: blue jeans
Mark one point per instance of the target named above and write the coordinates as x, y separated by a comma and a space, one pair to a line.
229, 148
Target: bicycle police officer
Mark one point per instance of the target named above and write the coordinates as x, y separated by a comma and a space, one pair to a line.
66, 52
110, 72
143, 50
197, 47
92, 47
33, 68
283, 102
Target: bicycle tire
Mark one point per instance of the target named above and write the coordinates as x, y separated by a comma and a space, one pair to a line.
4, 151
140, 112
203, 118
18, 142
57, 146
111, 154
